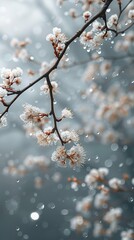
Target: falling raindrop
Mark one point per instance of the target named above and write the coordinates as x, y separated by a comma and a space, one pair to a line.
34, 216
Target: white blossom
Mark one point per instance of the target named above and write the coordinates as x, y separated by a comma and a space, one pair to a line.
101, 200
87, 15
46, 137
114, 214
96, 175
11, 76
127, 235
66, 113
69, 136
131, 14
76, 155
113, 20
3, 92
79, 223
3, 122
115, 183
84, 205
60, 156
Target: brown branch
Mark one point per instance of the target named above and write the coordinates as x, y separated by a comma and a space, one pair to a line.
52, 112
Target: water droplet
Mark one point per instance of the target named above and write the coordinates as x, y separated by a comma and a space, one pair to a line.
34, 216
64, 212
108, 10
67, 232
123, 34
51, 205
40, 206
114, 147
26, 236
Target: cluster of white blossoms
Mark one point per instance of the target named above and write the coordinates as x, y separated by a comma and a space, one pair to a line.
95, 69
113, 215
37, 122
11, 77
96, 175
58, 40
84, 205
30, 162
20, 48
101, 200
127, 235
115, 106
107, 218
94, 38
46, 137
33, 116
75, 155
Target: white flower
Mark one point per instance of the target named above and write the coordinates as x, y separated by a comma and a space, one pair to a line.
17, 72
76, 155
3, 92
96, 25
98, 229
60, 156
33, 161
31, 114
86, 38
47, 137
69, 136
66, 113
78, 223
105, 67
96, 175
5, 73
115, 183
3, 122
121, 46
56, 31
84, 205
72, 12
101, 200
14, 42
103, 172
113, 20
11, 76
87, 15
50, 37
23, 54
112, 215
127, 235
131, 14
